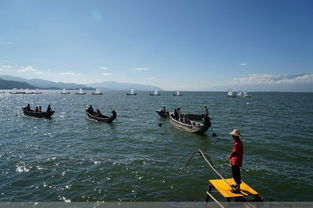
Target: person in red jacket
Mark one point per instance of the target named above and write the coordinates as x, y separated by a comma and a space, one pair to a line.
235, 159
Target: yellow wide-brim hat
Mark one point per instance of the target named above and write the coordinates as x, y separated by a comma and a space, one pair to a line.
235, 132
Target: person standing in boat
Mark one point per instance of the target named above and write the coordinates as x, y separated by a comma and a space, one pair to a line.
235, 159
28, 107
90, 109
49, 108
113, 113
206, 112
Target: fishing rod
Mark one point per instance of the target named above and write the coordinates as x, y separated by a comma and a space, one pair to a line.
200, 153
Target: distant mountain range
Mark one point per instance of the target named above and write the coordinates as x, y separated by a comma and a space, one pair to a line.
9, 82
110, 85
42, 84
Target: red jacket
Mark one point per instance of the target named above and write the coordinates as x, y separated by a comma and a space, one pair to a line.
237, 154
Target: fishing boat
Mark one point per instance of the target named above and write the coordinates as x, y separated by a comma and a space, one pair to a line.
101, 117
97, 92
231, 94
80, 92
132, 92
239, 93
65, 92
165, 114
177, 94
155, 93
192, 126
245, 94
37, 114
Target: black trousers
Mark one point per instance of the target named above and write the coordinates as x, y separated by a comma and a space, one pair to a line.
236, 174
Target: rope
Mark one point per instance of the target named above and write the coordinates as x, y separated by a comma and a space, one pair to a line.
207, 161
215, 199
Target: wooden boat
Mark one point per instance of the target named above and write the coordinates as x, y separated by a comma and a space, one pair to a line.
192, 126
37, 114
97, 92
101, 117
132, 92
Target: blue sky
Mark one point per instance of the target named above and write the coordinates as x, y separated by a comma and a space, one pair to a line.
174, 44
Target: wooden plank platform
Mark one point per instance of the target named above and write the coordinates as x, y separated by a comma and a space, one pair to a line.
223, 188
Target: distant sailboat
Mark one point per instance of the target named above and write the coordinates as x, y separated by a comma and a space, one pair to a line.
230, 93
132, 92
155, 93
37, 92
80, 92
177, 94
65, 92
239, 94
97, 92
245, 94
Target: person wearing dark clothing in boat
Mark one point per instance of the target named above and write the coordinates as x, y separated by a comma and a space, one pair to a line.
113, 113
235, 159
36, 109
39, 109
176, 115
163, 110
28, 107
205, 112
90, 110
49, 108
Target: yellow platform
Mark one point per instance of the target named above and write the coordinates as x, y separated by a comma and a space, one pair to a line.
222, 187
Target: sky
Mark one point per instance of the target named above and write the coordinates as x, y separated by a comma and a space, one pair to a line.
173, 44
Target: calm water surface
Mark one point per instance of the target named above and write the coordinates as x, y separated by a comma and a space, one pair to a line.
70, 158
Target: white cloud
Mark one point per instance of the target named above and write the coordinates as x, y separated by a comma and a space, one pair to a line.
139, 69
275, 79
106, 74
244, 64
5, 68
103, 68
70, 74
30, 69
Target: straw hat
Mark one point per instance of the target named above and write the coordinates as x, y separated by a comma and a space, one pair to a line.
235, 132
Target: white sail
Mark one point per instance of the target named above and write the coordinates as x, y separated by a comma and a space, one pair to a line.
155, 92
132, 91
177, 92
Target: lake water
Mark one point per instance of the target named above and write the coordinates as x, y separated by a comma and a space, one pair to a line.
70, 158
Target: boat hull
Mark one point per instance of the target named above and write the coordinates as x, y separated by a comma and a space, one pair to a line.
101, 119
194, 127
38, 114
